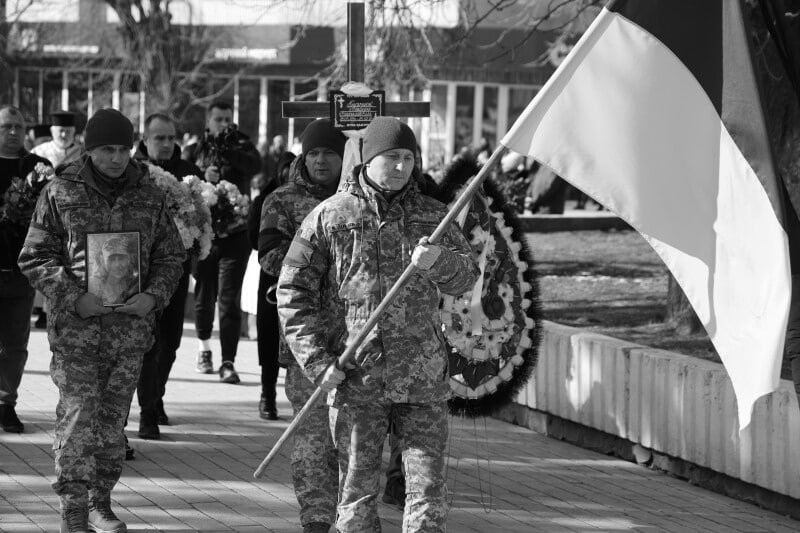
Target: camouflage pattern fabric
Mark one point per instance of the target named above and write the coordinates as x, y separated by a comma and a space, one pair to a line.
421, 433
347, 255
315, 469
349, 252
54, 254
96, 360
281, 215
94, 395
284, 210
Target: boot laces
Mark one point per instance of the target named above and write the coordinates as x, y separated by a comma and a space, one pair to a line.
104, 510
76, 519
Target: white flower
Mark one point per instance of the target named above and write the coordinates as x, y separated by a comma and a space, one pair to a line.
229, 211
188, 209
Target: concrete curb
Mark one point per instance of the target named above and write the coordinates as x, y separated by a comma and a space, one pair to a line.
677, 406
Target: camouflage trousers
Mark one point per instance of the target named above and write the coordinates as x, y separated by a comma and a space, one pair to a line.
421, 431
95, 390
315, 470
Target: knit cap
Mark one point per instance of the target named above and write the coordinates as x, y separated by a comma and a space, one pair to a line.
108, 127
322, 134
387, 133
115, 246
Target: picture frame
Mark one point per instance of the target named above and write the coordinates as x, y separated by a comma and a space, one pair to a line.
113, 266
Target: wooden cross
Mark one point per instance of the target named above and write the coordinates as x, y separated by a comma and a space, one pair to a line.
356, 60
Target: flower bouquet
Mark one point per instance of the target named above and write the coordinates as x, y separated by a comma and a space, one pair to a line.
189, 210
19, 200
228, 208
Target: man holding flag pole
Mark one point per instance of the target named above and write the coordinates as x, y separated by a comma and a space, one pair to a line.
348, 253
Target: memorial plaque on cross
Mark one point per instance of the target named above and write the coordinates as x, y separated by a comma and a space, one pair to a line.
356, 61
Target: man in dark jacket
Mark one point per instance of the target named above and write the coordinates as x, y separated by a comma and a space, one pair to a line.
223, 154
16, 295
158, 147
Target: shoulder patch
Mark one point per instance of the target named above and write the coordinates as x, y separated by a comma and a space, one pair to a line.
300, 251
270, 220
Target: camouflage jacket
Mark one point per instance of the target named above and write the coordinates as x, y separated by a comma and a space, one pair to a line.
281, 215
345, 258
54, 254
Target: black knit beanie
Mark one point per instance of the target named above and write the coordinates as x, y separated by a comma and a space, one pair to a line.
108, 127
322, 134
387, 133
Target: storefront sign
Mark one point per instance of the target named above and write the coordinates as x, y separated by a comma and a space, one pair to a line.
355, 112
246, 54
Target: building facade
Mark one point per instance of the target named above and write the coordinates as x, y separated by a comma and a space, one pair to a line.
258, 57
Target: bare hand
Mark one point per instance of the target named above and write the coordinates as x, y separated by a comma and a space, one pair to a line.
425, 255
330, 379
88, 305
139, 304
212, 174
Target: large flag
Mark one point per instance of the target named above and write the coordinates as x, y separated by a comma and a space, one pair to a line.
656, 114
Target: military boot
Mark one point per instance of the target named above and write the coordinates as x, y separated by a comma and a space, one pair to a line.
316, 527
103, 520
74, 520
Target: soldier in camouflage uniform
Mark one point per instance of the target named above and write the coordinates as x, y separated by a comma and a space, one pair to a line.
313, 177
97, 350
348, 253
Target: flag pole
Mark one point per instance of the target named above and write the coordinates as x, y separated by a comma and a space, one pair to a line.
341, 362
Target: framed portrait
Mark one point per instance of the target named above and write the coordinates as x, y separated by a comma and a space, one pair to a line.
113, 266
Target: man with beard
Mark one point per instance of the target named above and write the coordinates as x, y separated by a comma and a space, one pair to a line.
64, 148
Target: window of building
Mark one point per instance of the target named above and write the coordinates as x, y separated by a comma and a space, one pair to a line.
437, 138
102, 91
52, 85
249, 98
277, 92
130, 102
304, 91
518, 100
78, 97
29, 94
465, 110
488, 125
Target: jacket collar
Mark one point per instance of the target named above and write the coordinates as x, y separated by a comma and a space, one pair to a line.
357, 185
142, 155
298, 174
82, 170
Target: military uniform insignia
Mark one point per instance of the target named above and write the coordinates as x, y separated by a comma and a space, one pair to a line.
300, 251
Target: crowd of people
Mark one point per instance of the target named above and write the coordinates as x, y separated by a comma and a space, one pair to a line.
101, 253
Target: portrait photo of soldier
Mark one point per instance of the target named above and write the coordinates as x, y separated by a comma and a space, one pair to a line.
114, 271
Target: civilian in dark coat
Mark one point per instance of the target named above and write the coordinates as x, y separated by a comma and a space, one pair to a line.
158, 147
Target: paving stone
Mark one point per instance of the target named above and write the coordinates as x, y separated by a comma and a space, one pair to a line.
199, 476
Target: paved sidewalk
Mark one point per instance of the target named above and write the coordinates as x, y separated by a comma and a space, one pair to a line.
199, 477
